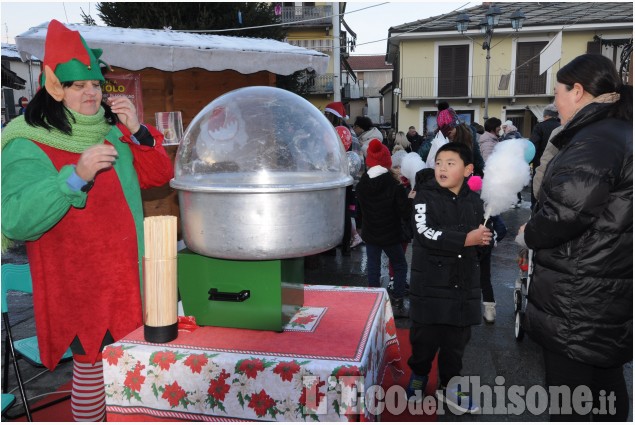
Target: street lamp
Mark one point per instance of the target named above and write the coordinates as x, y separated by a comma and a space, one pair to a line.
486, 26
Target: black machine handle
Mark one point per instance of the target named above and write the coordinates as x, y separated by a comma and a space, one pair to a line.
216, 295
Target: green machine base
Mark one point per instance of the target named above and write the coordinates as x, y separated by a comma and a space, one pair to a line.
262, 295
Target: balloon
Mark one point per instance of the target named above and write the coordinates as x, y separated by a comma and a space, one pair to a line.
345, 136
354, 163
530, 150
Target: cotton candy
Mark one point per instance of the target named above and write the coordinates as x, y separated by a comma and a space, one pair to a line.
410, 165
506, 173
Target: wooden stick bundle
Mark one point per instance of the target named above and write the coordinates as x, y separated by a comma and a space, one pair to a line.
159, 271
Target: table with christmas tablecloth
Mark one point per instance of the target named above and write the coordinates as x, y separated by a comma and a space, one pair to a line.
335, 348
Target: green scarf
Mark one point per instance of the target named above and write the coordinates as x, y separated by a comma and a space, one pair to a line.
87, 130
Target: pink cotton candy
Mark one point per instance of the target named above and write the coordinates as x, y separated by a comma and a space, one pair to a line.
475, 183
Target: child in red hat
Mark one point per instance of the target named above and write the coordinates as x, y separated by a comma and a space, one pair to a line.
384, 203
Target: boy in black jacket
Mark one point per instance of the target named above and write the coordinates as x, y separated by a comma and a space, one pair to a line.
445, 291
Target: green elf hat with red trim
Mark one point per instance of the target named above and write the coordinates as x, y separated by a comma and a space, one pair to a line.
68, 55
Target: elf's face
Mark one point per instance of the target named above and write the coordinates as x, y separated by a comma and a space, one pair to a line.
83, 97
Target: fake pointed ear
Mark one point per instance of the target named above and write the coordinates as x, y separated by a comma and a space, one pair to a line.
52, 84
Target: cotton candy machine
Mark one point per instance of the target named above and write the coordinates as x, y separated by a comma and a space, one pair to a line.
261, 176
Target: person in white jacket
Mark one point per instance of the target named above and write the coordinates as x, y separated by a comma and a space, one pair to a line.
366, 132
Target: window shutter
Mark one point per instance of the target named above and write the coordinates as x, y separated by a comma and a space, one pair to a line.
453, 70
528, 79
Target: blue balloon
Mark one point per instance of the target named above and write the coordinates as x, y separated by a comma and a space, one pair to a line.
530, 151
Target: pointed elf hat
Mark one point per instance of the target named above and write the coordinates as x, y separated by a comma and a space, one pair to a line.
68, 55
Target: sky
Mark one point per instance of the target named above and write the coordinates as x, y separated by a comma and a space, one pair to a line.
369, 23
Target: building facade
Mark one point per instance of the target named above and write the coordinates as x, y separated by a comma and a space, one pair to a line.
364, 95
435, 62
311, 25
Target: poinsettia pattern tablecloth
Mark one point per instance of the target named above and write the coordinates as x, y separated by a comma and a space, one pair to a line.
300, 374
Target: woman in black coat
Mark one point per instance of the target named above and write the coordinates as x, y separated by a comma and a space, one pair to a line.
580, 305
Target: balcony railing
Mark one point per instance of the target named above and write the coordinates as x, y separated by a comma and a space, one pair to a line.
313, 15
358, 91
474, 86
321, 84
324, 44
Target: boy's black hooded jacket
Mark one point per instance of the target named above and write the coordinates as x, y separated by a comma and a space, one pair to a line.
445, 278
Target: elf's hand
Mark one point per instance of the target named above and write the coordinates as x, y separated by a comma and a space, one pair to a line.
95, 159
126, 112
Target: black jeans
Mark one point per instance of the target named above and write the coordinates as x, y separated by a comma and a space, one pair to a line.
449, 341
486, 275
603, 383
399, 263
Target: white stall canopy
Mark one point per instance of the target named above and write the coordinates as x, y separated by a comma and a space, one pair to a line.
167, 50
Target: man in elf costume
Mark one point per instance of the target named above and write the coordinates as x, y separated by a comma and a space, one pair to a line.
72, 170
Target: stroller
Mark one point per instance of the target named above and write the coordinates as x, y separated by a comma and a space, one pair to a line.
521, 289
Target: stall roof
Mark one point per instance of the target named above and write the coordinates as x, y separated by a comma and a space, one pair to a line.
167, 50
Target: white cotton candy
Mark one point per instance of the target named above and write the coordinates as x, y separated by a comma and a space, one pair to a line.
438, 141
397, 157
410, 165
506, 173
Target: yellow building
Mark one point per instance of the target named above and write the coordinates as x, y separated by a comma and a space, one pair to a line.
435, 62
310, 25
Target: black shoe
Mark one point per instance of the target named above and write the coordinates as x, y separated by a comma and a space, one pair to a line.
399, 309
391, 287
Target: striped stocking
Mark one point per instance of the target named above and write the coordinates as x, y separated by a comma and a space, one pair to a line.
88, 400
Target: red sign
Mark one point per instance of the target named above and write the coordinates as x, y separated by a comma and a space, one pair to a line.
128, 85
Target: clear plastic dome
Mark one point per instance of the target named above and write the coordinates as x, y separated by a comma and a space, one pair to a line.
260, 139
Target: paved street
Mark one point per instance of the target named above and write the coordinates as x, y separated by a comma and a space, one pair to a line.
492, 351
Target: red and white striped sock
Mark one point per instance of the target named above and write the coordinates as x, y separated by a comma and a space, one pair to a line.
88, 399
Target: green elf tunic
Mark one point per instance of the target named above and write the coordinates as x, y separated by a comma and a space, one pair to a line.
84, 249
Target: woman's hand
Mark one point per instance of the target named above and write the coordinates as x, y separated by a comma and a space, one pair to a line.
521, 229
126, 112
95, 159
